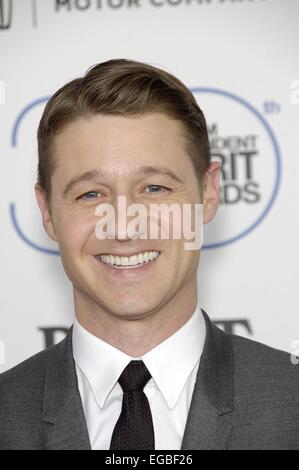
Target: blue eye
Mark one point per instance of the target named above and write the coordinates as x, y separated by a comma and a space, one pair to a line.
155, 186
89, 195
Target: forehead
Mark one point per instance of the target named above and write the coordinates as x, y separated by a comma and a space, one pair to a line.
115, 136
120, 147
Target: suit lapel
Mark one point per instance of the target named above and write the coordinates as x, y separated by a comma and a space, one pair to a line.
64, 425
210, 415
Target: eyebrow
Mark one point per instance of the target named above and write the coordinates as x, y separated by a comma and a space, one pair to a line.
94, 174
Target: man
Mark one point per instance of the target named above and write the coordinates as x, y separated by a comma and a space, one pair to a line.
142, 367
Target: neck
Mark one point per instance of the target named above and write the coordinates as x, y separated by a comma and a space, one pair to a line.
137, 337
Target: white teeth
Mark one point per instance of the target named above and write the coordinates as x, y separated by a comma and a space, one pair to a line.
134, 260
124, 260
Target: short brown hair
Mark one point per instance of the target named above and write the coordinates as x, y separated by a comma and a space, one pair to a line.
122, 87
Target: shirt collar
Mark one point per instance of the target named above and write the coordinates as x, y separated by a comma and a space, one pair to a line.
170, 363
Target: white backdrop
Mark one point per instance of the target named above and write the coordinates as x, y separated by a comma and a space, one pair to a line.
240, 58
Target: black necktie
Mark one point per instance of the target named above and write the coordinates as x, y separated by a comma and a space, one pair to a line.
134, 428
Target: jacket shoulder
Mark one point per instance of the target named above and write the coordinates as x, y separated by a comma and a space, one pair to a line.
24, 383
266, 401
28, 370
22, 391
249, 352
264, 377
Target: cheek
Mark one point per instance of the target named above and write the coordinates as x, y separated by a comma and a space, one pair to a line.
75, 230
187, 258
179, 256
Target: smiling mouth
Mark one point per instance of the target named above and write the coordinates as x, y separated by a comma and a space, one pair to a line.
129, 262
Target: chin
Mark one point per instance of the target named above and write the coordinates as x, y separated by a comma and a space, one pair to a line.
132, 310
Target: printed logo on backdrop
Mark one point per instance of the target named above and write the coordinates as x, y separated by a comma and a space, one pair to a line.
83, 5
53, 334
61, 6
244, 143
6, 13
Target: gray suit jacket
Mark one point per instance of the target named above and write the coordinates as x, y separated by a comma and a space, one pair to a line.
246, 396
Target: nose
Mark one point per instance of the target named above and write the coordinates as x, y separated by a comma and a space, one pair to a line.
127, 219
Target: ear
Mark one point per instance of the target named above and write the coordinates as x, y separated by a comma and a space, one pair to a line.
45, 211
211, 192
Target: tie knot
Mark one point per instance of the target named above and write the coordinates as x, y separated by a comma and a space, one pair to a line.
134, 377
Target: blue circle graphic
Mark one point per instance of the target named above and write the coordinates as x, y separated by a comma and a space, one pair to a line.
277, 154
12, 207
24, 237
210, 90
21, 116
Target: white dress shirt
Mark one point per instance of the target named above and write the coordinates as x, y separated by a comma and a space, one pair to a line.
173, 365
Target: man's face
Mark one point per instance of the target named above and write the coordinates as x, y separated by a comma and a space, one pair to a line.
119, 147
